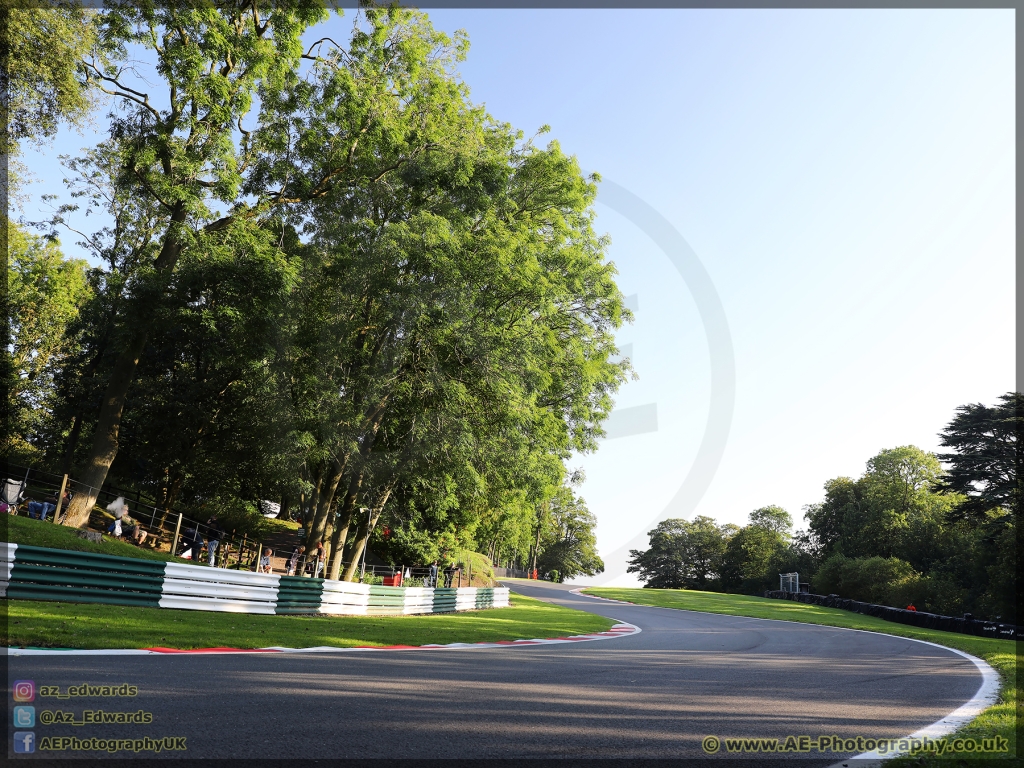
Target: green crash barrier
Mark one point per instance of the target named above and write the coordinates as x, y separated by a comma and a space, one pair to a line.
80, 595
23, 573
41, 573
298, 595
89, 560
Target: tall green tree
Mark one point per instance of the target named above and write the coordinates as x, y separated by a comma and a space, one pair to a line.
43, 47
827, 519
683, 554
463, 281
213, 61
45, 294
894, 525
210, 411
754, 553
984, 457
568, 544
774, 519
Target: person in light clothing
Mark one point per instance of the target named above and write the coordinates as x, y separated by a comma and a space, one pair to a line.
263, 566
293, 561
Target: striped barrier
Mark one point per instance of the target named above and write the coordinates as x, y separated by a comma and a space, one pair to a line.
39, 573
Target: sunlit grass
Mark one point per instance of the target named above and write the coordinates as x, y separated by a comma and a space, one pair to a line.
998, 720
38, 533
80, 625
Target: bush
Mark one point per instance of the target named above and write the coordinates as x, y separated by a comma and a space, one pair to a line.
881, 580
242, 517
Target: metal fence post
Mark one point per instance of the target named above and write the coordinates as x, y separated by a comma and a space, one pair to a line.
177, 530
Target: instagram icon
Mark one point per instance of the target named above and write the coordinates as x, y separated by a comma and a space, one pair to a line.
24, 690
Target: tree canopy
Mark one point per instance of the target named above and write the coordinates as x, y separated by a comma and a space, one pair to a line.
328, 277
907, 531
984, 459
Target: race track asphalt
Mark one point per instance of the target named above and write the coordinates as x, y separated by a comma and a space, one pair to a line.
652, 695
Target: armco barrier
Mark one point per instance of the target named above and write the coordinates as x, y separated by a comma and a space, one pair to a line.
199, 588
298, 595
38, 573
964, 626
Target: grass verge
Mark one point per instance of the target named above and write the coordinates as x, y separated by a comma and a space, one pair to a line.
37, 533
1003, 655
81, 625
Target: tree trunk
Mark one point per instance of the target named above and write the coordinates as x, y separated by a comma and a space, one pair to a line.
363, 536
536, 550
72, 443
354, 489
345, 520
171, 496
76, 421
322, 500
328, 539
104, 444
108, 424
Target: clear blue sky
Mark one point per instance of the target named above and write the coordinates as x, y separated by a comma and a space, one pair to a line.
847, 180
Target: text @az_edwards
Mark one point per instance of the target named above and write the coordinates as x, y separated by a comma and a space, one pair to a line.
898, 746
94, 717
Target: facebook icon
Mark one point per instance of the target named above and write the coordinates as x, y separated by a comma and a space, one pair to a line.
24, 742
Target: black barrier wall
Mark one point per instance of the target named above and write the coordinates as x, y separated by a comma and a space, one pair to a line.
965, 625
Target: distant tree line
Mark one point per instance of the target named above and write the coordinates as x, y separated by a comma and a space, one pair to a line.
936, 531
325, 277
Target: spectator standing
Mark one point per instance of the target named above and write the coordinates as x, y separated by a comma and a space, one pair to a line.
293, 561
213, 536
432, 581
318, 558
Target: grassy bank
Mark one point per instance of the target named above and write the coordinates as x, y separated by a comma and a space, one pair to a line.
81, 625
1002, 655
25, 530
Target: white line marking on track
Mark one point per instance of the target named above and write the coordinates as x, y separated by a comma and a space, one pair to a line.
986, 695
622, 629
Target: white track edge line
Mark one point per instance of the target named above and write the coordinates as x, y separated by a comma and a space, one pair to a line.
986, 696
281, 650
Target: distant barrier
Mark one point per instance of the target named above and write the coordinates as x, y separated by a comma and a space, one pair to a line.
39, 573
510, 573
964, 626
